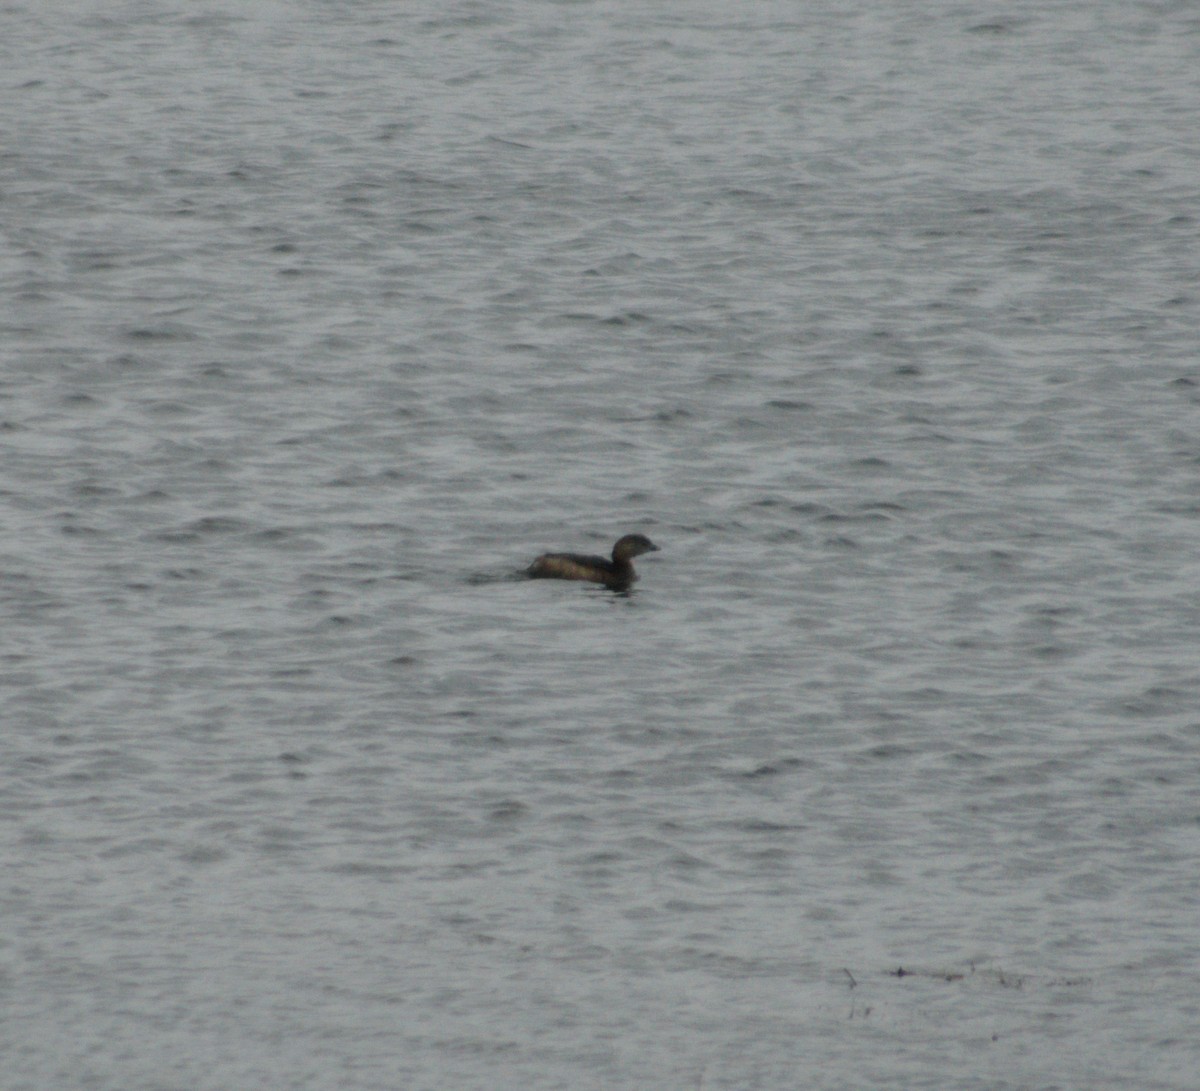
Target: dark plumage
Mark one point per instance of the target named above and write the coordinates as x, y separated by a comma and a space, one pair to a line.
616, 574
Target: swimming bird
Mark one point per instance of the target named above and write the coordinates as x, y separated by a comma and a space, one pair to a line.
616, 575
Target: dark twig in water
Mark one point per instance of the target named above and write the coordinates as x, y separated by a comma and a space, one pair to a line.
999, 977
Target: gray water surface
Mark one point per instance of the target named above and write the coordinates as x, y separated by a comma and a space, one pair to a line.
320, 320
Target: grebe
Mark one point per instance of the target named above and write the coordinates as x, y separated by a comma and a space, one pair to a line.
616, 574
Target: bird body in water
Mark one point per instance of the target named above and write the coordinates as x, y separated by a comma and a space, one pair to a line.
616, 574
